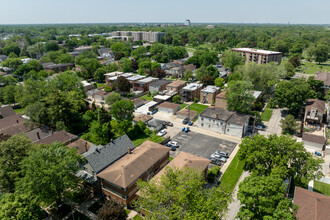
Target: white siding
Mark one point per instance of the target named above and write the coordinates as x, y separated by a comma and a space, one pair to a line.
234, 129
212, 124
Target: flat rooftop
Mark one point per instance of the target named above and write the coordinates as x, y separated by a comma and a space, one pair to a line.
251, 50
146, 80
192, 86
210, 89
113, 74
136, 77
126, 75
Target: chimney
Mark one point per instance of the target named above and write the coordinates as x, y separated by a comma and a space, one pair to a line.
217, 116
17, 121
129, 151
38, 135
86, 147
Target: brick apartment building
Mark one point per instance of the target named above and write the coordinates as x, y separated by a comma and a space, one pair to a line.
259, 56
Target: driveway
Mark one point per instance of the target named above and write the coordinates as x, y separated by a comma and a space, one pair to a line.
202, 145
273, 126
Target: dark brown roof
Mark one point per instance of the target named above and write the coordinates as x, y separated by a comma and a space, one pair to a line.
128, 169
61, 136
169, 105
39, 133
81, 145
312, 205
142, 117
315, 103
189, 67
313, 138
323, 76
17, 128
6, 111
10, 121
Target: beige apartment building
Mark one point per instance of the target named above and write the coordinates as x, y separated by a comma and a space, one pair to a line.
259, 56
176, 86
208, 94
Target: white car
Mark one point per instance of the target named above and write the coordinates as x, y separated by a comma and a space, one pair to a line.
216, 156
173, 143
161, 133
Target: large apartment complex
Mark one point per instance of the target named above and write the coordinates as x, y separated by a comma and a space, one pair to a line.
259, 56
139, 35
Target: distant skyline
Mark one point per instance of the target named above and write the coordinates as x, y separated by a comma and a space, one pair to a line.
170, 11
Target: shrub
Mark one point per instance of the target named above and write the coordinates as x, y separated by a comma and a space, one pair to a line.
107, 88
212, 174
196, 100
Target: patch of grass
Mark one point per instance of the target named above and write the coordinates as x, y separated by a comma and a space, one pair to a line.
198, 107
183, 105
233, 173
99, 85
150, 98
170, 158
321, 187
20, 110
157, 139
127, 211
312, 67
266, 114
137, 217
140, 139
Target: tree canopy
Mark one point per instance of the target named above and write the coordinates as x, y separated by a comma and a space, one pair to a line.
238, 96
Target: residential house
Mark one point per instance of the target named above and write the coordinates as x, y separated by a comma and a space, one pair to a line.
325, 78
158, 86
119, 180
312, 205
39, 133
148, 107
187, 113
81, 145
169, 108
60, 136
224, 121
143, 84
112, 74
16, 128
57, 67
135, 78
100, 96
190, 67
6, 111
113, 79
175, 72
87, 86
191, 91
100, 157
105, 53
221, 100
10, 121
142, 117
176, 86
208, 94
314, 112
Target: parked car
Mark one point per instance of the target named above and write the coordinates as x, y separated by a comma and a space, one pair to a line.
161, 133
222, 153
154, 112
187, 130
318, 153
222, 159
185, 121
168, 123
191, 123
173, 144
215, 156
215, 161
260, 127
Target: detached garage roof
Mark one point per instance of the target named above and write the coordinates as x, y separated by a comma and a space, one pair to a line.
169, 105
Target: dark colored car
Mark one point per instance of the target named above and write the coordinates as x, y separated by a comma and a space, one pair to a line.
215, 161
168, 123
191, 123
185, 121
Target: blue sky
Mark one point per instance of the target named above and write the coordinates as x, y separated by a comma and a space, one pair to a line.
217, 11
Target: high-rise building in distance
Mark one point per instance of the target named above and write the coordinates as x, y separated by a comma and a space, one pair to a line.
187, 23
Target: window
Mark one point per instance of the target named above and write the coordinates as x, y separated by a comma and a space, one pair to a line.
202, 124
227, 129
213, 120
209, 126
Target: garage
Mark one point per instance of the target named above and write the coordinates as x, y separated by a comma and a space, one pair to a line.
169, 108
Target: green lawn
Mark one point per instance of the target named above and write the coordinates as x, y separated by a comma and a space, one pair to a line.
150, 98
20, 110
198, 107
312, 68
183, 105
137, 217
266, 114
140, 139
232, 174
157, 139
100, 85
321, 187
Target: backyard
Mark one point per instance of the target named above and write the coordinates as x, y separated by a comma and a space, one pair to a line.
146, 97
198, 107
321, 187
232, 174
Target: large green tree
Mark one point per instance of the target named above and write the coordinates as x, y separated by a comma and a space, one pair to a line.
123, 110
232, 59
112, 98
263, 197
289, 125
12, 152
239, 97
279, 155
49, 173
321, 53
180, 194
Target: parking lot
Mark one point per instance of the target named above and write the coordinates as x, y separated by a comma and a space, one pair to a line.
201, 145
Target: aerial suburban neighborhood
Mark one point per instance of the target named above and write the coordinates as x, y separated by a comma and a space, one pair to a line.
164, 120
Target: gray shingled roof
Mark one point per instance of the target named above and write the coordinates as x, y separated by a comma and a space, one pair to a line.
6, 111
223, 114
100, 157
